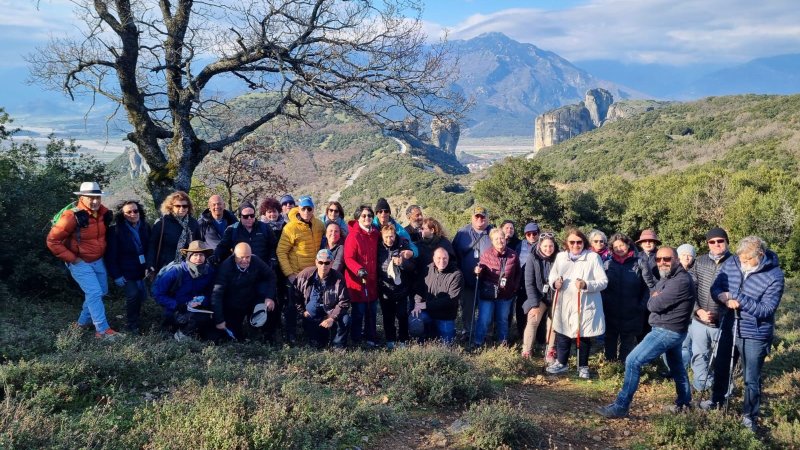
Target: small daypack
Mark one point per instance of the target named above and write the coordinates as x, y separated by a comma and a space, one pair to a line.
176, 283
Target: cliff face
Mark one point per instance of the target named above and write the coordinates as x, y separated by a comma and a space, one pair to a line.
563, 123
445, 134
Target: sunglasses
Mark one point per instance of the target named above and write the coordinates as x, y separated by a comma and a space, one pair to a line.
287, 203
135, 211
248, 216
716, 241
367, 216
324, 263
181, 206
546, 235
306, 208
383, 211
575, 242
333, 210
599, 241
663, 259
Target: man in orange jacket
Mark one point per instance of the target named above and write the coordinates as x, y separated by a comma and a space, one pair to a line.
79, 239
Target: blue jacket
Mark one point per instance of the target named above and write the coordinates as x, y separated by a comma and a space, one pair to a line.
122, 252
188, 289
469, 246
759, 294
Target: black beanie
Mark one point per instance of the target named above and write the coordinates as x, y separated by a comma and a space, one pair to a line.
717, 232
244, 206
382, 204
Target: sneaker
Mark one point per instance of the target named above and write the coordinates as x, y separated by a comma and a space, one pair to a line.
556, 368
550, 358
749, 423
707, 405
583, 372
389, 345
612, 411
179, 336
109, 335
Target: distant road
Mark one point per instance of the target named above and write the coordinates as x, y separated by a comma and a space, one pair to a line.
335, 196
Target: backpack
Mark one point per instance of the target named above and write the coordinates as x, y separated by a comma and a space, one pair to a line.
81, 218
176, 283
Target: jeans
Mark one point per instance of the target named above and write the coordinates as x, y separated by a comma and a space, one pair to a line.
320, 336
395, 312
702, 344
135, 295
563, 347
436, 328
499, 309
658, 340
364, 314
92, 278
752, 352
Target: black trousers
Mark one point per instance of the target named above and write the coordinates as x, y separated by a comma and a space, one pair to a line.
564, 345
395, 309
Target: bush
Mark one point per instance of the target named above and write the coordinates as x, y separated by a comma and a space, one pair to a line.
706, 431
504, 364
498, 424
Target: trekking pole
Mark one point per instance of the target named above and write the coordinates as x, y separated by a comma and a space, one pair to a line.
578, 339
552, 320
366, 309
474, 306
736, 317
714, 349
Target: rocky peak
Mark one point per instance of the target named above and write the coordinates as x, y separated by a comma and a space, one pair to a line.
597, 101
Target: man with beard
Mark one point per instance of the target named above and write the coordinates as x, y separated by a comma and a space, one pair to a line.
469, 242
670, 307
414, 227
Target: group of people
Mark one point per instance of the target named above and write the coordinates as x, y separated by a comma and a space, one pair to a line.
229, 275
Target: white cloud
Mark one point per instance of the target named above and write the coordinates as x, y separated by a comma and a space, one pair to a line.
663, 31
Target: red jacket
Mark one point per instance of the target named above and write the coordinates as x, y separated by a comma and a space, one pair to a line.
63, 243
490, 263
361, 252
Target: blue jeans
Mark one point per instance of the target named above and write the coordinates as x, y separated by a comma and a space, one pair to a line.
320, 336
365, 314
135, 295
499, 309
658, 341
92, 279
753, 352
702, 339
438, 329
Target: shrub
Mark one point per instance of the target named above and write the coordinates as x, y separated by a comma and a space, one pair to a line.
498, 424
504, 364
698, 430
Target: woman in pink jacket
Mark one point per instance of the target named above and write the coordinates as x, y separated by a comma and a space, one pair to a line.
361, 274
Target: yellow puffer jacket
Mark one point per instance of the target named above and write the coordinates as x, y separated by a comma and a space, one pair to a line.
299, 243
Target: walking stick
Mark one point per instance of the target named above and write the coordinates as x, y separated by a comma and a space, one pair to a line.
736, 317
474, 305
552, 319
714, 349
366, 309
578, 338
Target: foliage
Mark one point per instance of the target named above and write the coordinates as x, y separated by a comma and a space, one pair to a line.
497, 424
518, 188
37, 183
700, 430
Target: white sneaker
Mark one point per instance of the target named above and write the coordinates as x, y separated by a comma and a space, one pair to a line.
180, 337
557, 368
583, 372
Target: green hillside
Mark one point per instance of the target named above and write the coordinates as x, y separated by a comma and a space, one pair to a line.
735, 131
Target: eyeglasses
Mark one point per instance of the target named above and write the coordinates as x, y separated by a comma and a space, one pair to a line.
181, 206
599, 241
248, 216
324, 263
532, 233
480, 216
663, 259
575, 242
287, 203
306, 208
134, 211
716, 241
384, 211
367, 216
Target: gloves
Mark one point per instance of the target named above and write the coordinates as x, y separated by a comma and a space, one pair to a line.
120, 281
362, 273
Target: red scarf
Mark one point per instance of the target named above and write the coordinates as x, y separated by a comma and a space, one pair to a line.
623, 258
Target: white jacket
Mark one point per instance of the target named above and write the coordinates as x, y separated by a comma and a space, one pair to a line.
589, 268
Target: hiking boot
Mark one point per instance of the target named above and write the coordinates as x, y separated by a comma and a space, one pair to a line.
109, 335
550, 358
583, 372
557, 368
677, 409
749, 423
612, 411
707, 405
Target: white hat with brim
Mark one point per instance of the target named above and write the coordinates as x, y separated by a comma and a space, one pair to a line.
90, 189
259, 316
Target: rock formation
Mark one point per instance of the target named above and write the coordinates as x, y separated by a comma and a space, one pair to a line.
597, 102
445, 134
568, 121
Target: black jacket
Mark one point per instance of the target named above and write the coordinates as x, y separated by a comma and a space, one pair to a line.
167, 230
535, 274
333, 296
649, 269
427, 246
208, 228
122, 251
625, 297
440, 291
705, 272
240, 291
387, 286
261, 239
672, 300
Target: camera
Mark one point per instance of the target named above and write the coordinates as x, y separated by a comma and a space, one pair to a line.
395, 253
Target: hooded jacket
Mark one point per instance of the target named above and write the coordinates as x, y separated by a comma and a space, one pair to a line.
299, 243
208, 227
536, 273
361, 252
589, 268
440, 291
759, 294
63, 242
672, 300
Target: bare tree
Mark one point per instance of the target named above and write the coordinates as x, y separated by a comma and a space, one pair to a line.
158, 58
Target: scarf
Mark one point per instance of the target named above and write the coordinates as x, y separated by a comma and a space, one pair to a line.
716, 258
195, 270
572, 257
183, 241
623, 258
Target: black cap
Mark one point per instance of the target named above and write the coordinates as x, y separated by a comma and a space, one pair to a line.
382, 204
717, 232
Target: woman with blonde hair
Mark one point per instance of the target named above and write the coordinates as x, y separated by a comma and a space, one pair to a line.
171, 232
